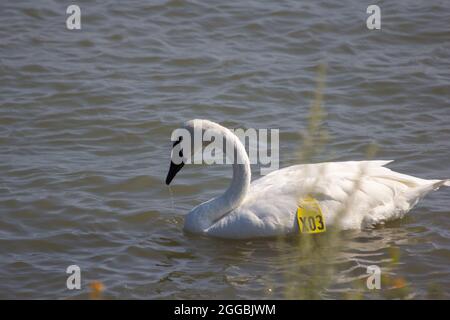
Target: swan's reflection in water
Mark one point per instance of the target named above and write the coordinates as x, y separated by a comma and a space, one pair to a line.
314, 267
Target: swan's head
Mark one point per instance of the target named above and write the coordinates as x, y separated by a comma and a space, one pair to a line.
187, 141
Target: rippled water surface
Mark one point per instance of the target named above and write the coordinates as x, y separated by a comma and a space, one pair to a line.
85, 123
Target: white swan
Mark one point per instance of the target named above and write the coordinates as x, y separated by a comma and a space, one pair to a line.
351, 194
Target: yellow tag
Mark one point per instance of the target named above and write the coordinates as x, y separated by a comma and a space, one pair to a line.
309, 216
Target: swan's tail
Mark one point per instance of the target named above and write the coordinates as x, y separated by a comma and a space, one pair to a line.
432, 185
421, 191
439, 183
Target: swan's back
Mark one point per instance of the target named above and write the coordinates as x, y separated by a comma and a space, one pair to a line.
353, 194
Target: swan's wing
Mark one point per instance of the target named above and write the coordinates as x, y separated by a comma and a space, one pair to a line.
353, 194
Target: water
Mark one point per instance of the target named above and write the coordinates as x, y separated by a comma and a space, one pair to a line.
86, 116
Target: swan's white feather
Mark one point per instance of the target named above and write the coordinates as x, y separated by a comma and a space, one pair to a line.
355, 194
352, 195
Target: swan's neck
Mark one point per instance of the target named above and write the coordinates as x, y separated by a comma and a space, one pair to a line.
208, 213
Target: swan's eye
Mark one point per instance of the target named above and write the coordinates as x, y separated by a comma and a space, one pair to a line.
178, 141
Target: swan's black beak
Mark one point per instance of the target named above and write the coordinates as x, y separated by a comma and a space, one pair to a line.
173, 170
